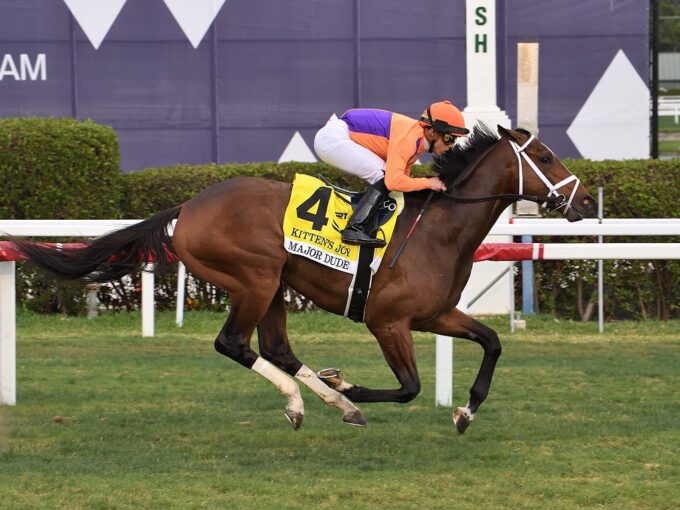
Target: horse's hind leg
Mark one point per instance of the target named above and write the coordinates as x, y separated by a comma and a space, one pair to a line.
456, 323
233, 341
275, 347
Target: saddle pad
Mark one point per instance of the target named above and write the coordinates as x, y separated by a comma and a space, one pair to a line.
315, 216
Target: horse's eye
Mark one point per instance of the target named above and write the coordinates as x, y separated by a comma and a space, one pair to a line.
546, 160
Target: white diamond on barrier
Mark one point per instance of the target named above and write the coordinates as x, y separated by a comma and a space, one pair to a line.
297, 150
614, 121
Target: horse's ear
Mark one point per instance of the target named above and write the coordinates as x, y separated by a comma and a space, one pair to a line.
506, 133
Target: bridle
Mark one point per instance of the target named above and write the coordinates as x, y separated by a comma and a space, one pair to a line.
552, 188
551, 202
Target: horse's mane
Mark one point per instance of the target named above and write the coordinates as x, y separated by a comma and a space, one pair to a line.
455, 166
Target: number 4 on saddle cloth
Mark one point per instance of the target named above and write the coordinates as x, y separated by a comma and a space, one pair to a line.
316, 213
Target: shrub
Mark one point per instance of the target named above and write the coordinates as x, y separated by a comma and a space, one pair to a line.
63, 168
57, 169
633, 289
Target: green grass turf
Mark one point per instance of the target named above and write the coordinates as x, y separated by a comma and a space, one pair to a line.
108, 420
667, 124
669, 147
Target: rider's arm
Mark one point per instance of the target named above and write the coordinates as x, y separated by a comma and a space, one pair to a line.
397, 167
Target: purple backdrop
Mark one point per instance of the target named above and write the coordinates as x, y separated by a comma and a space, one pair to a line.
267, 69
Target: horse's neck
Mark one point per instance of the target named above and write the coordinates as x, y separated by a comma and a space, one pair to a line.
492, 175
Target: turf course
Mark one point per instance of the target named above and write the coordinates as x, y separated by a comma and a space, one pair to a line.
108, 420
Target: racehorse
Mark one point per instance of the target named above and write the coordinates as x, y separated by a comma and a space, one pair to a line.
231, 235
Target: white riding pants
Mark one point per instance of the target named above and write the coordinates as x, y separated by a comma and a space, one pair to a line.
334, 146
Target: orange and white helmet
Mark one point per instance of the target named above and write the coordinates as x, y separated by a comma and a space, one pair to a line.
444, 118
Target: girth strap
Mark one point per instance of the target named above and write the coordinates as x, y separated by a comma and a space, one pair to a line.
357, 294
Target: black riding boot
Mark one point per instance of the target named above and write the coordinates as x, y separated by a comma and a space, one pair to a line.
356, 231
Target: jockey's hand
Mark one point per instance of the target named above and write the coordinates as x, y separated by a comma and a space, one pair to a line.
436, 184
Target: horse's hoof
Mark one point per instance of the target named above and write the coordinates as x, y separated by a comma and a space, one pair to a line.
295, 419
462, 419
354, 418
333, 377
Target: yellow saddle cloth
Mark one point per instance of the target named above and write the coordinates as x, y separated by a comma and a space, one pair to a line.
317, 213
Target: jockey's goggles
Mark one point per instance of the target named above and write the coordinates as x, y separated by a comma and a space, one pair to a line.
449, 139
442, 127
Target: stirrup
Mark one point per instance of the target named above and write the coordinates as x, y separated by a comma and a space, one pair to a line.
359, 237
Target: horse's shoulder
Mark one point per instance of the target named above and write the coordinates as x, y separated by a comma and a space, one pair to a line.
415, 198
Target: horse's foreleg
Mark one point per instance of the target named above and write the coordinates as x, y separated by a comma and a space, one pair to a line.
456, 323
397, 347
275, 347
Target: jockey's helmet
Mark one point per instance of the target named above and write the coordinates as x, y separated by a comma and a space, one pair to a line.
445, 119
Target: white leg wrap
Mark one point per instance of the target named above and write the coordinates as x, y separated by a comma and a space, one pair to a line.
344, 386
283, 382
333, 398
466, 411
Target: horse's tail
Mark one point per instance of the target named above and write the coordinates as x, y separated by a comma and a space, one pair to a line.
111, 256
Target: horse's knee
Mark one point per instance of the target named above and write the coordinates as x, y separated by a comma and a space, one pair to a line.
495, 349
492, 344
224, 347
409, 391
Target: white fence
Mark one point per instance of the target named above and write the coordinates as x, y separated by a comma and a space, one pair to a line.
546, 227
669, 106
554, 251
50, 228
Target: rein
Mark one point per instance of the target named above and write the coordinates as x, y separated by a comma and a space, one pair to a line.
555, 202
552, 201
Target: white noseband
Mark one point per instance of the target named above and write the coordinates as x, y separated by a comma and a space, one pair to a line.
552, 188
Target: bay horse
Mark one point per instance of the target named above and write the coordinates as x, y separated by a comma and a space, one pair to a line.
231, 235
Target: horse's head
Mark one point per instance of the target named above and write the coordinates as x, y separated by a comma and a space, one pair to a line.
540, 172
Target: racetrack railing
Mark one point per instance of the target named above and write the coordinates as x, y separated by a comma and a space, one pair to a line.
500, 251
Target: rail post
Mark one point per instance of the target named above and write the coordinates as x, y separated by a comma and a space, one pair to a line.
8, 363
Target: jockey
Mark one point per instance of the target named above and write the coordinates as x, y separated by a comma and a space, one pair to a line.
380, 147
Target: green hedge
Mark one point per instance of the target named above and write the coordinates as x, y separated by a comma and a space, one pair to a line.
632, 189
155, 189
633, 289
63, 168
57, 169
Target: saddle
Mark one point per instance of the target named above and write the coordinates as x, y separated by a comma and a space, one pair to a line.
317, 212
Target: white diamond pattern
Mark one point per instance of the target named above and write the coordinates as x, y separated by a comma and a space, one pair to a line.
613, 123
297, 150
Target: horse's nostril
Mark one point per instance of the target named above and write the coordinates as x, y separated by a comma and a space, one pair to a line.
588, 202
